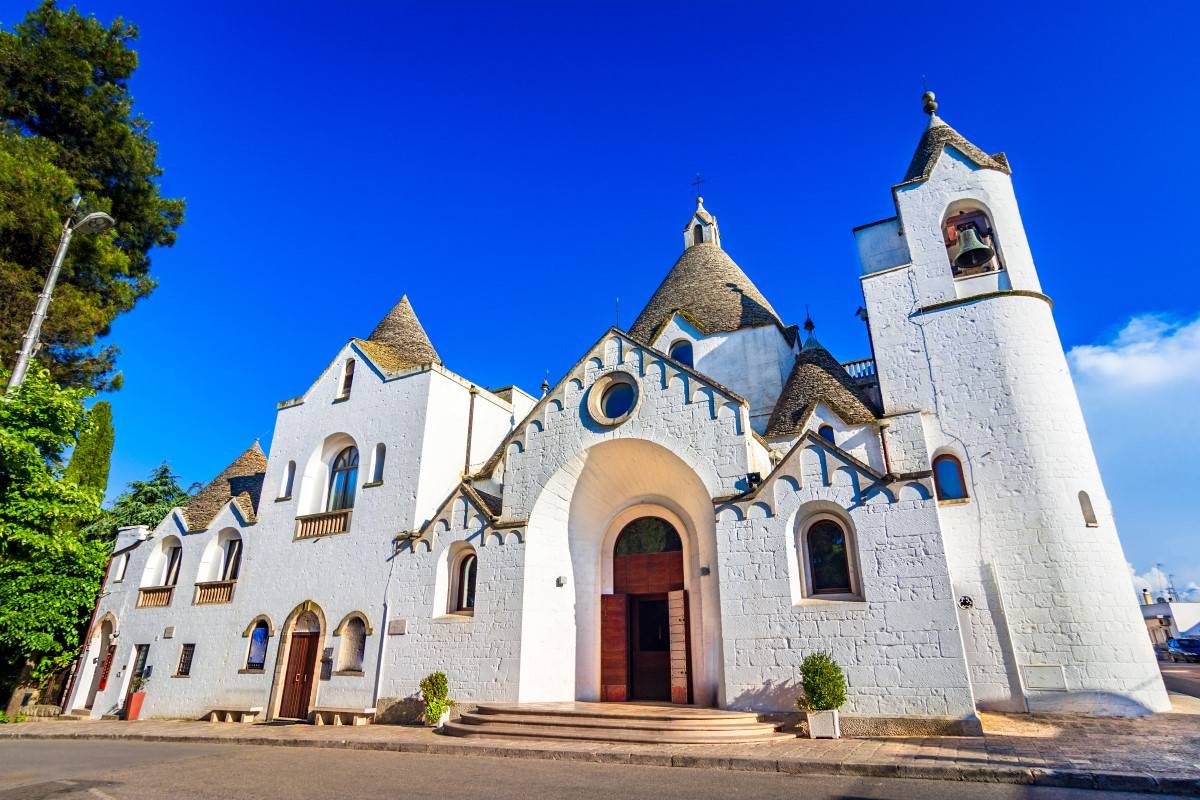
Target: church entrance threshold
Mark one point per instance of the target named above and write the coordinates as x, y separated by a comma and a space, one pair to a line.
644, 652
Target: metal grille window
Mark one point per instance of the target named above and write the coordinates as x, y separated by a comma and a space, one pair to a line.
185, 660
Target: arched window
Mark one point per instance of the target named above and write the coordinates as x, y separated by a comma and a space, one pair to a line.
970, 243
681, 351
122, 568
377, 464
1089, 514
289, 479
647, 535
347, 377
231, 564
256, 657
462, 598
826, 433
828, 558
172, 558
948, 478
697, 233
342, 479
354, 645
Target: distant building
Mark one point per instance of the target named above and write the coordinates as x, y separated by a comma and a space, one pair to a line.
1167, 618
696, 505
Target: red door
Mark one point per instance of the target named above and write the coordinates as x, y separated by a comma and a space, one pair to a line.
106, 668
614, 652
297, 681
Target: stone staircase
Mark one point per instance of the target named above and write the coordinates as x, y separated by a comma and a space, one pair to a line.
614, 722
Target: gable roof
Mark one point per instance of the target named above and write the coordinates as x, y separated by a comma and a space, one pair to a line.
934, 141
399, 341
817, 377
711, 291
241, 482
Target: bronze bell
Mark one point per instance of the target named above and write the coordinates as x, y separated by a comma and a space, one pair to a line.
971, 251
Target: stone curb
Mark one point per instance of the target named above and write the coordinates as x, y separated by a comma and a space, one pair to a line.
1028, 776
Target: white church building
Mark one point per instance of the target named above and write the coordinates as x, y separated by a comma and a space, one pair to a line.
700, 502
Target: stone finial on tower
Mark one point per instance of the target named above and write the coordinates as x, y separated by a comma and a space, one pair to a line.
929, 99
810, 341
701, 228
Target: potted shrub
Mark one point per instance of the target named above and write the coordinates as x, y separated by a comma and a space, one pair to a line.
824, 687
137, 696
435, 691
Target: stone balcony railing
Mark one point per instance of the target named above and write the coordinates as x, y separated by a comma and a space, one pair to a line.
326, 523
213, 592
155, 596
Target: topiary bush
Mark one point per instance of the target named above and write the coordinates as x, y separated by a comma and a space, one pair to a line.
435, 691
823, 682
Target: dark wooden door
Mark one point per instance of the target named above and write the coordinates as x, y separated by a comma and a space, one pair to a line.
614, 648
297, 681
681, 655
650, 648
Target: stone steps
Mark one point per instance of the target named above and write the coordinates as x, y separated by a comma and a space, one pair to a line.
614, 722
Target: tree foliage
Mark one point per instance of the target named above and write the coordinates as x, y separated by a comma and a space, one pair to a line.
67, 126
92, 456
49, 570
142, 503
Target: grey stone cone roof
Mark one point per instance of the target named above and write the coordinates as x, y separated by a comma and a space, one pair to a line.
817, 377
241, 482
934, 141
711, 291
399, 342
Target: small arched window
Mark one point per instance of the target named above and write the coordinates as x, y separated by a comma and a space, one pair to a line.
377, 464
342, 479
697, 233
354, 645
347, 377
172, 558
231, 563
826, 433
122, 568
828, 558
1089, 513
256, 657
289, 479
463, 597
948, 478
681, 351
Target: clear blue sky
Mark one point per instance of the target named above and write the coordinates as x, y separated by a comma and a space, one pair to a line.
514, 166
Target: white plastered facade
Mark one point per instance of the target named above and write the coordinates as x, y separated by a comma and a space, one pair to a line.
971, 367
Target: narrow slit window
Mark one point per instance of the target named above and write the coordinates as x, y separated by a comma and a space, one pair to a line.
1089, 513
256, 658
464, 584
377, 467
171, 570
233, 560
347, 377
948, 478
289, 478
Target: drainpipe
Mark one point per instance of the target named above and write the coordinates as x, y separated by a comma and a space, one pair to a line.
470, 425
383, 635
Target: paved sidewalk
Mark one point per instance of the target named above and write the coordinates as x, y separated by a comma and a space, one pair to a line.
1154, 754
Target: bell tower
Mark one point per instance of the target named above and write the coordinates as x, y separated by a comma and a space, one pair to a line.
975, 387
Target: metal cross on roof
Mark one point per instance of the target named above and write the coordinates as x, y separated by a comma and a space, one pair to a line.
697, 183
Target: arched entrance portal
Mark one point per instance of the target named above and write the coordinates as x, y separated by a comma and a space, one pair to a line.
296, 663
644, 652
104, 649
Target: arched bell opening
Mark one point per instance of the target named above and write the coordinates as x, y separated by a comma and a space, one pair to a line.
970, 240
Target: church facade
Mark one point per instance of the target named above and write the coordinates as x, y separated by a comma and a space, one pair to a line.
700, 502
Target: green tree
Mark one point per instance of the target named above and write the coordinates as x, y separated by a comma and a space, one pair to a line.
92, 456
143, 503
67, 126
49, 570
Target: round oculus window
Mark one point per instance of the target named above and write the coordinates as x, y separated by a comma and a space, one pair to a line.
613, 398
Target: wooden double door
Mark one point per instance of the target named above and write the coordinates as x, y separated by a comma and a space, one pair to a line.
298, 680
644, 647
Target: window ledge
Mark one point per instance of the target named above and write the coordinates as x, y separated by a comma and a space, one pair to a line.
1091, 524
351, 673
845, 602
372, 484
954, 501
246, 671
996, 271
455, 616
341, 399
283, 499
181, 676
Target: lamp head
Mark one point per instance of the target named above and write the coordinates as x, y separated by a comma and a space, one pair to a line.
94, 222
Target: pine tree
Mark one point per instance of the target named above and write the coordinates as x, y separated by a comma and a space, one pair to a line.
92, 457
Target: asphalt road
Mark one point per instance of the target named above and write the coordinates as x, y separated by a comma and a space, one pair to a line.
1182, 678
108, 770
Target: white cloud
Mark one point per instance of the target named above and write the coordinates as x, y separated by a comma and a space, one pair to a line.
1138, 393
1151, 350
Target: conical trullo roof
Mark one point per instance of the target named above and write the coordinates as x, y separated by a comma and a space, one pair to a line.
241, 481
711, 291
817, 377
399, 342
934, 141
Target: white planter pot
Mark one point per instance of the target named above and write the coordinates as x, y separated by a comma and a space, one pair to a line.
824, 725
442, 720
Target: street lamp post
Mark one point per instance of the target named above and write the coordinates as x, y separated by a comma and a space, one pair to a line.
92, 223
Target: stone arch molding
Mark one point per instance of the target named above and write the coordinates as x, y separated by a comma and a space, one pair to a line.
285, 647
341, 626
254, 623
